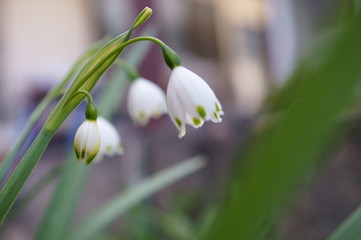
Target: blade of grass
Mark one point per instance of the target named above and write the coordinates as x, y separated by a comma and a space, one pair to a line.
86, 79
279, 157
349, 229
120, 203
39, 110
36, 189
57, 218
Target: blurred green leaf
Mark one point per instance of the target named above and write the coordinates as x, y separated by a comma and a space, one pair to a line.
279, 156
58, 216
42, 106
84, 80
122, 202
350, 228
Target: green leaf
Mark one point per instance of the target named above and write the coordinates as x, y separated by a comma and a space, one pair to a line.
90, 74
86, 79
122, 202
350, 228
59, 214
42, 106
278, 158
13, 186
56, 220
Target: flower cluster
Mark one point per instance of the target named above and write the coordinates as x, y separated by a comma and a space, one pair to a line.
189, 100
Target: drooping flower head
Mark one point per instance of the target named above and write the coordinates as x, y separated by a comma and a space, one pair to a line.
190, 100
87, 137
145, 100
110, 142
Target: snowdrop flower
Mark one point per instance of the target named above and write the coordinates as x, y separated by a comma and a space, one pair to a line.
87, 141
145, 100
110, 142
190, 100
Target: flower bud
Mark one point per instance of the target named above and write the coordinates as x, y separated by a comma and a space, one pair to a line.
87, 141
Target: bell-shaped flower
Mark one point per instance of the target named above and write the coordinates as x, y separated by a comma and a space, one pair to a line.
190, 100
145, 100
87, 141
110, 142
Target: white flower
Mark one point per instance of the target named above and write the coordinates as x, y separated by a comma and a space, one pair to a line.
145, 100
190, 100
110, 142
87, 141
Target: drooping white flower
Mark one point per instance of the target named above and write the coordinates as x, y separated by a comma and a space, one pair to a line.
110, 142
190, 100
87, 141
145, 100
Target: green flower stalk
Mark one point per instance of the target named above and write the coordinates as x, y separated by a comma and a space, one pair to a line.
85, 80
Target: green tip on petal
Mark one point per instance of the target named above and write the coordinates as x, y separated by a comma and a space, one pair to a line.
201, 111
90, 159
178, 121
82, 155
218, 109
77, 154
196, 121
215, 115
142, 115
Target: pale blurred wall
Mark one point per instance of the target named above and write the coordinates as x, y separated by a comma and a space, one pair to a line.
40, 39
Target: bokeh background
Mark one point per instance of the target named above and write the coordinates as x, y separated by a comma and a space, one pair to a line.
244, 49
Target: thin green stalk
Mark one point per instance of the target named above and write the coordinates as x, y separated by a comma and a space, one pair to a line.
123, 201
36, 189
59, 214
57, 218
131, 71
17, 180
39, 110
86, 80
170, 57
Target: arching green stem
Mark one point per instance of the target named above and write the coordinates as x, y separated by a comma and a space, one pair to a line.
170, 56
129, 70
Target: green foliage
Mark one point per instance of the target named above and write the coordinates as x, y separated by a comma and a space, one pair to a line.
279, 156
120, 203
350, 229
58, 216
85, 80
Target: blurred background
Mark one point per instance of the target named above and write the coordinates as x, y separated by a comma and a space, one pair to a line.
244, 49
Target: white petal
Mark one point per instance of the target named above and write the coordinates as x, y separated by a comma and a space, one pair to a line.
110, 143
175, 110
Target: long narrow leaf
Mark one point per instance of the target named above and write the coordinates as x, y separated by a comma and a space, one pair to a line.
350, 229
280, 155
39, 110
122, 202
57, 218
85, 79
